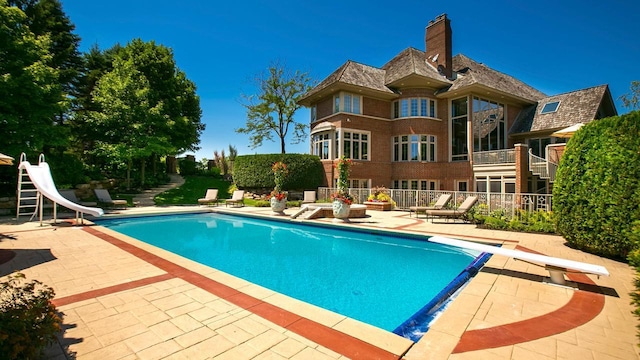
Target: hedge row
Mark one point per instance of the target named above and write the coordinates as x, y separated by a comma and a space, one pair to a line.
254, 171
597, 189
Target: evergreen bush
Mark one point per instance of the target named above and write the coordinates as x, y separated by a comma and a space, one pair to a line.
28, 319
597, 189
254, 171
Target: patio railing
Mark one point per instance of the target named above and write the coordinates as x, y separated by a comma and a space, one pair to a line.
511, 204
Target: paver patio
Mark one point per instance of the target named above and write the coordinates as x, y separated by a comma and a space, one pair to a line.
123, 299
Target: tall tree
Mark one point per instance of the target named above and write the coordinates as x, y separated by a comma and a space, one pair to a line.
30, 92
271, 110
144, 107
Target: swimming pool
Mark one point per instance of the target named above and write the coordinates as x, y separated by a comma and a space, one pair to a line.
376, 278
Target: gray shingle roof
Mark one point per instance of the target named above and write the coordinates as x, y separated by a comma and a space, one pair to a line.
353, 73
471, 72
580, 106
411, 61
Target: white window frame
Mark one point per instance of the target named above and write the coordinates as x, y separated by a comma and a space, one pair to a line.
347, 102
341, 138
424, 107
427, 141
318, 145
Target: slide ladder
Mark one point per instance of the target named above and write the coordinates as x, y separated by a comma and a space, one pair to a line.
29, 197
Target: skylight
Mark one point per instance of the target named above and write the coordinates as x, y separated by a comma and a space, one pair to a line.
550, 107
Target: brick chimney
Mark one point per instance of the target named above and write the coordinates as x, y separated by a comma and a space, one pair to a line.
438, 44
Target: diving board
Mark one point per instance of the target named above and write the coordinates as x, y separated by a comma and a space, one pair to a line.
556, 266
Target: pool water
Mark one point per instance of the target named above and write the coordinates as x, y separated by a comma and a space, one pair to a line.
378, 279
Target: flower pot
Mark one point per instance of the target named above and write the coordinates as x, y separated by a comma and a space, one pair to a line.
341, 209
278, 206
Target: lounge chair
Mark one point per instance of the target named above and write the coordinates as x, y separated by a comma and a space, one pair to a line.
209, 198
309, 197
458, 213
71, 196
440, 204
237, 198
105, 198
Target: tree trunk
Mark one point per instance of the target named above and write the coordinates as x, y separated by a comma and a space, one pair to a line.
282, 143
129, 174
143, 166
154, 165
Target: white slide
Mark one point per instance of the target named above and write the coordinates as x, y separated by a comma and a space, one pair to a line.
41, 177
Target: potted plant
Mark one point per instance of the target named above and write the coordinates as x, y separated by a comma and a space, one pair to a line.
380, 200
341, 199
278, 197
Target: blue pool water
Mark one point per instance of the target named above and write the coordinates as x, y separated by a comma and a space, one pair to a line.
378, 279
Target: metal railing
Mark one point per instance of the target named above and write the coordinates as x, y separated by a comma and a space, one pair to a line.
506, 156
511, 205
542, 167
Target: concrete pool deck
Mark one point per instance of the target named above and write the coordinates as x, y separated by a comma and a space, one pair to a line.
123, 299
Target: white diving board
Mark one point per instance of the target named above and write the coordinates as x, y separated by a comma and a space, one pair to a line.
556, 266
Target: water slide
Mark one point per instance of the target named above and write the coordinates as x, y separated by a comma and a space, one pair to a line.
40, 176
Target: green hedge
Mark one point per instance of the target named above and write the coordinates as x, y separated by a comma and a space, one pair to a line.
597, 189
254, 171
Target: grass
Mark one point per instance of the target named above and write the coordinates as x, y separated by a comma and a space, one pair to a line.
193, 189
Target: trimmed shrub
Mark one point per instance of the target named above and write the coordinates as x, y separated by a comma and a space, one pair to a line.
28, 319
597, 190
254, 171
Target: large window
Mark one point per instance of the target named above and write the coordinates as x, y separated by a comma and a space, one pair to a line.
355, 145
321, 145
459, 130
314, 113
414, 147
412, 107
489, 129
347, 102
415, 184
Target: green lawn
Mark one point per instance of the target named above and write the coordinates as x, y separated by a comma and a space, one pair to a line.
193, 189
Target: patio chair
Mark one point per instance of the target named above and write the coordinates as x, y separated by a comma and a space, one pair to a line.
71, 196
209, 198
309, 197
458, 213
105, 198
442, 201
237, 198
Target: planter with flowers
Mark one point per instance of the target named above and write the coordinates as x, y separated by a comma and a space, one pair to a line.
278, 197
380, 200
341, 199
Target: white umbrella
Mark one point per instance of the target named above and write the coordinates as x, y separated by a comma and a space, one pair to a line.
6, 159
567, 132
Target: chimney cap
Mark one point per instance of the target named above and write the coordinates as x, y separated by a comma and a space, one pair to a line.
438, 19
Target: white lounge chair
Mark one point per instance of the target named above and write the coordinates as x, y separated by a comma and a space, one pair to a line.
209, 198
105, 198
557, 267
440, 204
236, 198
458, 213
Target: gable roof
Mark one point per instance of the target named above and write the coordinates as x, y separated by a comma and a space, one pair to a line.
412, 61
580, 106
470, 72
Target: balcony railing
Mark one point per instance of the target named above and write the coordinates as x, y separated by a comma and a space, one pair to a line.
542, 167
506, 156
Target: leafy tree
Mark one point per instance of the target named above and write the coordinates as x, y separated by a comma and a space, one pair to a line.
144, 107
271, 111
632, 100
30, 91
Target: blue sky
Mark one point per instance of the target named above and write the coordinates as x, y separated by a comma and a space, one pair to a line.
554, 46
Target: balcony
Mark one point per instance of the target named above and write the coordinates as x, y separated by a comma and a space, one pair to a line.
495, 157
